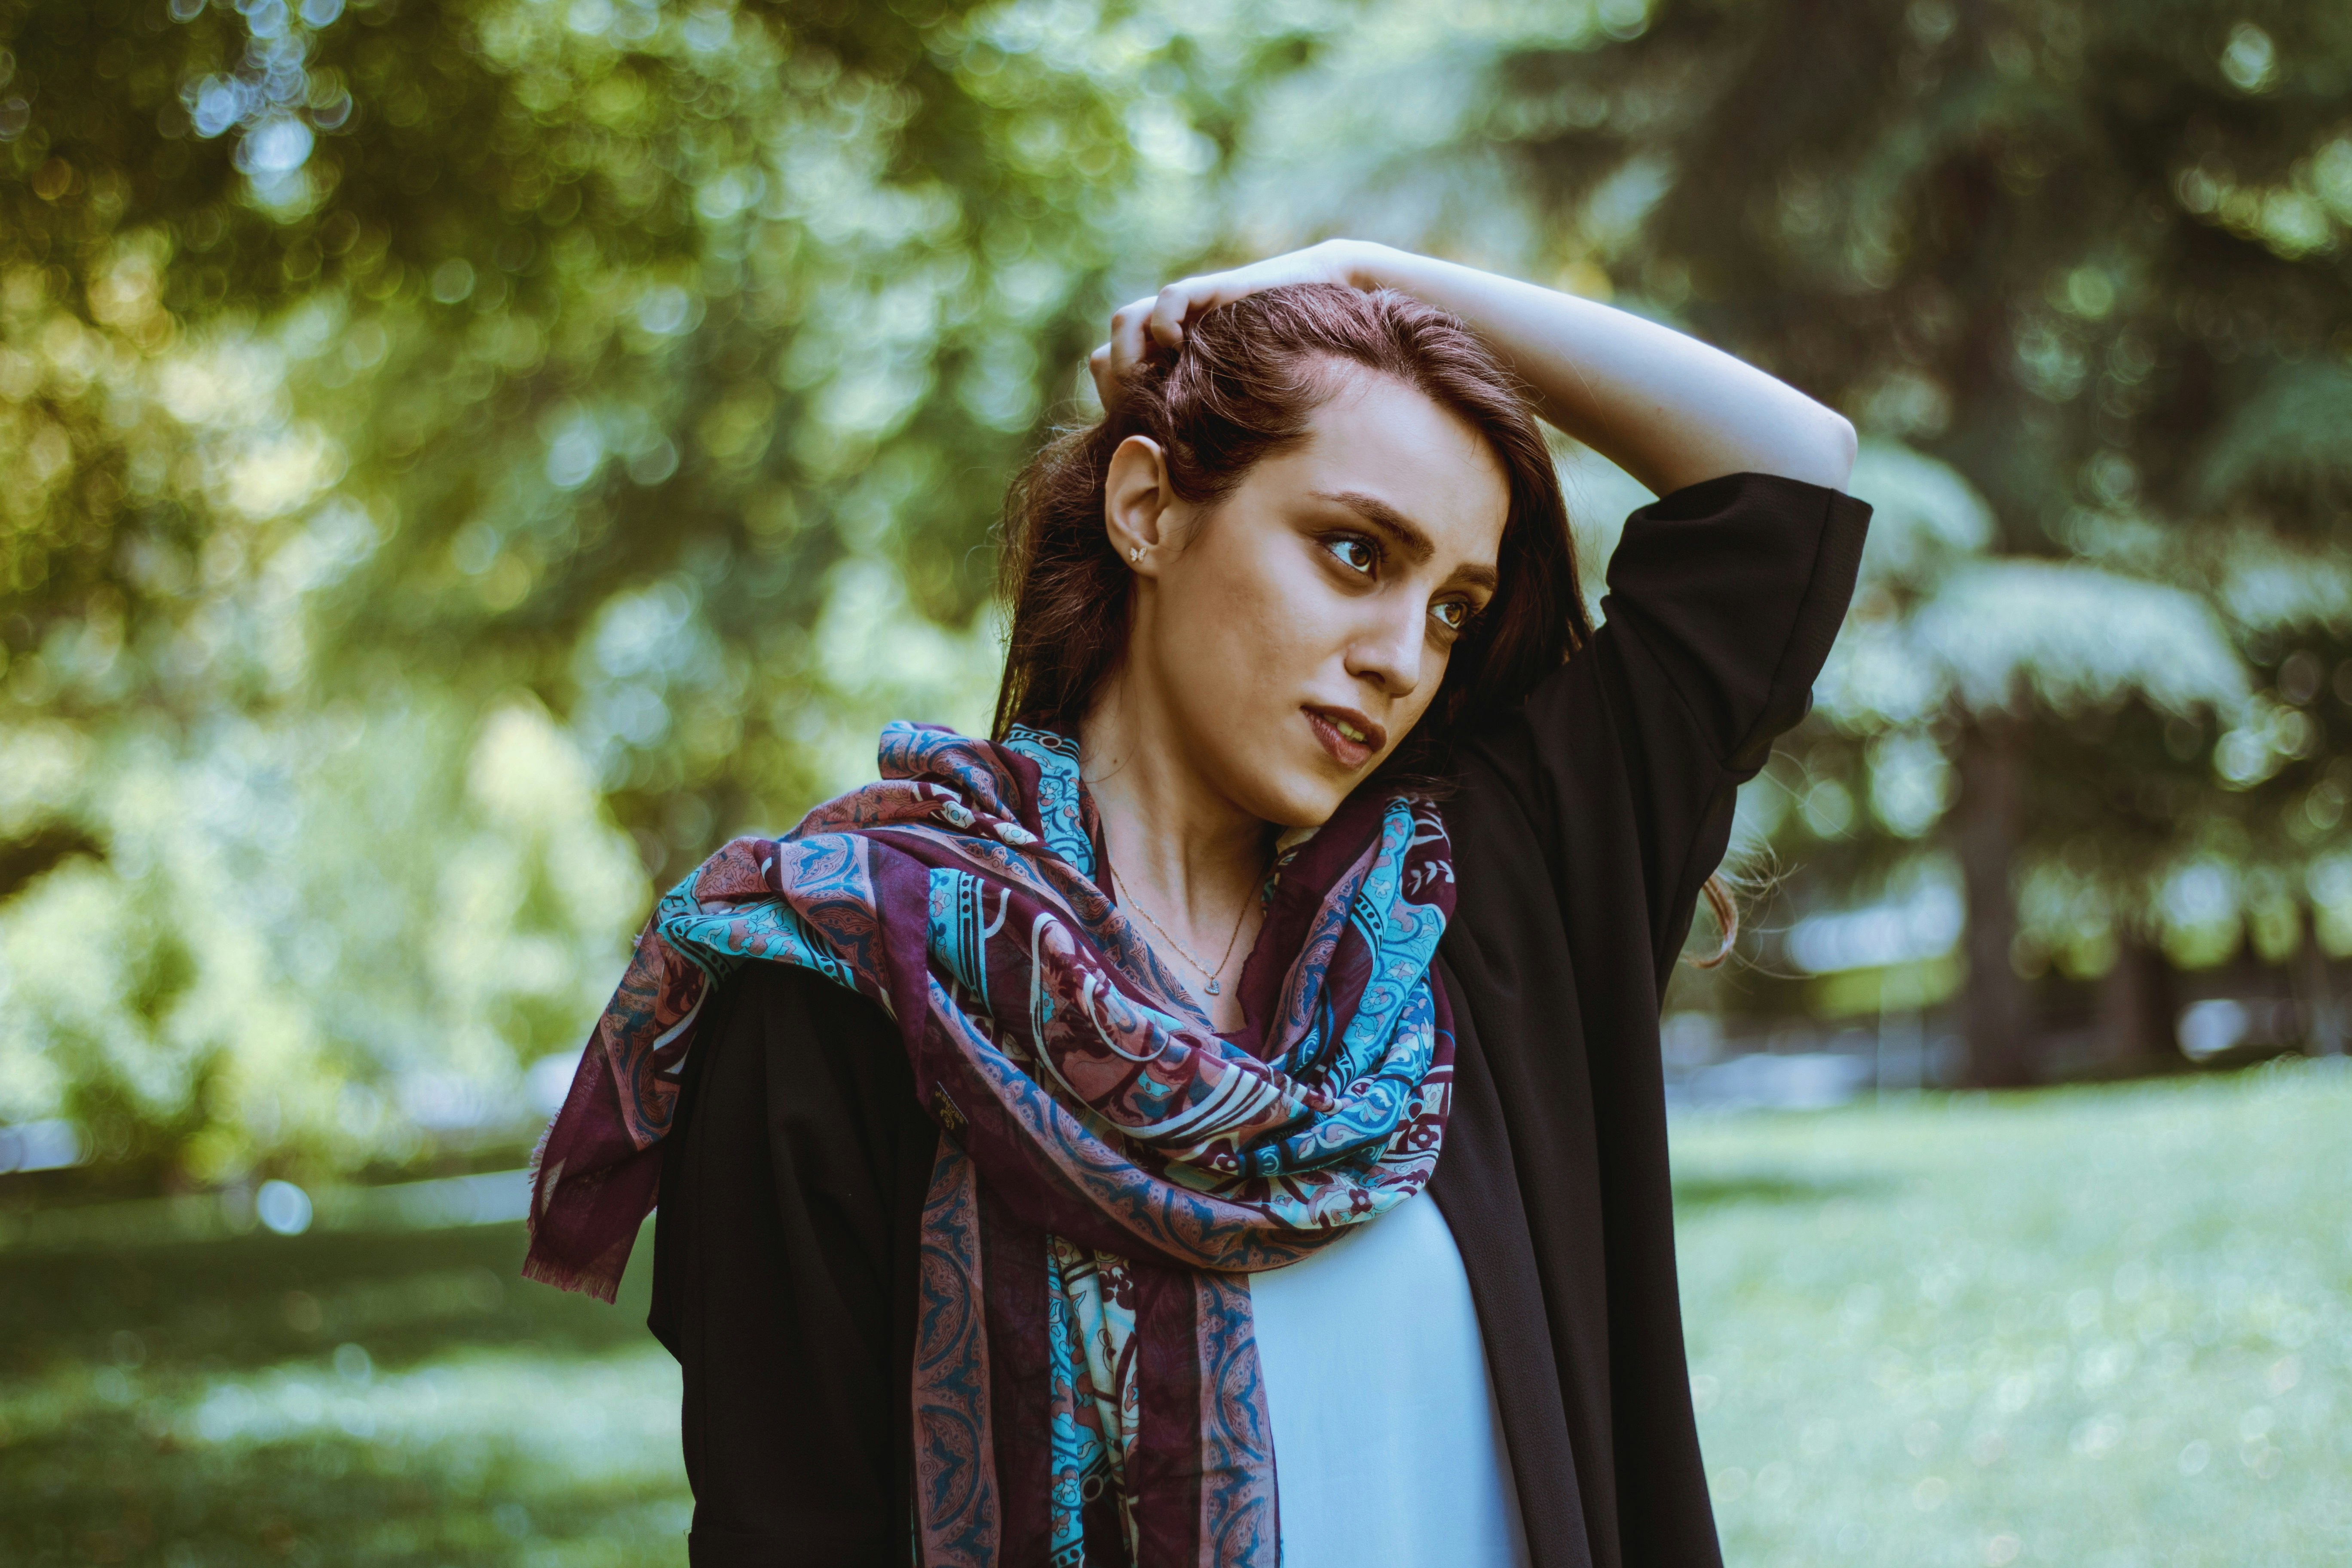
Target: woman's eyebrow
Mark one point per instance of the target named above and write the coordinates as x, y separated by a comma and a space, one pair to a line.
1402, 532
1407, 535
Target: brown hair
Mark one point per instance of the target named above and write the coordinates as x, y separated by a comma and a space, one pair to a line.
1244, 387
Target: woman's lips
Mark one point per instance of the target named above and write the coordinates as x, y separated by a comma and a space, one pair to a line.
1350, 738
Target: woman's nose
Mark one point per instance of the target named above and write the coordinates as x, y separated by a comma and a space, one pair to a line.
1387, 652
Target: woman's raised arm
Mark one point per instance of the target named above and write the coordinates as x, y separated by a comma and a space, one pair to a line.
1665, 407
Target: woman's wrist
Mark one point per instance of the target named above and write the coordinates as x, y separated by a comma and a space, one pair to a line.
1369, 266
1489, 301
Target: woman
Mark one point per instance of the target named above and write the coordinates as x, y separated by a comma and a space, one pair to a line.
1045, 1184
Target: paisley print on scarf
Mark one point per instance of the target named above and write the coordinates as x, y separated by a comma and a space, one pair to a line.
1110, 1169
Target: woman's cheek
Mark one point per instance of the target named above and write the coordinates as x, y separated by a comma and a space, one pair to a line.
1434, 665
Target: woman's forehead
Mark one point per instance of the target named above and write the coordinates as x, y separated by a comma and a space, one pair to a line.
1386, 449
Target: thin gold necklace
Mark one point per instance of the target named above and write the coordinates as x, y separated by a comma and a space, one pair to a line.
1135, 904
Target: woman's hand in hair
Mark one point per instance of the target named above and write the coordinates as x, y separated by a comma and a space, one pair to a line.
1665, 407
1155, 325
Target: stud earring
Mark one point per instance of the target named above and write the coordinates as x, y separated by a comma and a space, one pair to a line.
1135, 556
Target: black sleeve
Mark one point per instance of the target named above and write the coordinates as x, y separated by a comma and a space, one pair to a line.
1729, 594
1723, 600
785, 1250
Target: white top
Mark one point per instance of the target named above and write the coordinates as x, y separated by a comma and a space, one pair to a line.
1388, 1451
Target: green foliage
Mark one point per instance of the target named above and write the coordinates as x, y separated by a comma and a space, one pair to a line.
450, 445
308, 934
571, 302
373, 378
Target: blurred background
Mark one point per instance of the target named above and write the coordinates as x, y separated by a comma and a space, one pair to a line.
462, 461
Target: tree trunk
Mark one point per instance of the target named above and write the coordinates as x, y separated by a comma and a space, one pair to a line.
2323, 1012
1996, 1009
2136, 1009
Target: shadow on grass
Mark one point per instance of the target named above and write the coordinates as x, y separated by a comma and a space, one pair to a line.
261, 1299
112, 1494
1714, 1189
329, 1399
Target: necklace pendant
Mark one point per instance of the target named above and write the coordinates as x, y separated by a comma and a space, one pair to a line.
1212, 987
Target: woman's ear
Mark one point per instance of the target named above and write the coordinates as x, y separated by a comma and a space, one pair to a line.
1135, 500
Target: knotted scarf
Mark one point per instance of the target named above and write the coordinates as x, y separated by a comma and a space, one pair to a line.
1110, 1169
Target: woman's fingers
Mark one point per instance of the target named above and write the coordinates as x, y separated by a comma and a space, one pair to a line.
1173, 306
1157, 324
1187, 298
1105, 383
1127, 343
1113, 362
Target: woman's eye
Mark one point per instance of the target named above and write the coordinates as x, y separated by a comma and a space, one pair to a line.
1452, 613
1358, 553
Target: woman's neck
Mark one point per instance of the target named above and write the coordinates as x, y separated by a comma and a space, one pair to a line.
1181, 851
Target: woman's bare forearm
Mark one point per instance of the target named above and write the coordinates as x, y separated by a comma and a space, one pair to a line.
1664, 407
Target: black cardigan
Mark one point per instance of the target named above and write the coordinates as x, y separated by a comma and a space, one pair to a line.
1583, 825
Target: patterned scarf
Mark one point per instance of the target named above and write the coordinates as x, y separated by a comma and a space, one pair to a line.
1086, 1387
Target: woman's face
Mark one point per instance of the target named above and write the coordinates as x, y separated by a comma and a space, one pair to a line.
1291, 635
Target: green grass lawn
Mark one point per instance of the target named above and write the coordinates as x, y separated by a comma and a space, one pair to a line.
2100, 1327
2107, 1328
347, 1399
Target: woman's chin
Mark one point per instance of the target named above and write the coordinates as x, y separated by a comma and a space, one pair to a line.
1301, 796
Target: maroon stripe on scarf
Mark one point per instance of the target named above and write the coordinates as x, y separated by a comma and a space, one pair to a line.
1298, 897
1201, 1469
902, 882
1020, 1376
1163, 1465
607, 1183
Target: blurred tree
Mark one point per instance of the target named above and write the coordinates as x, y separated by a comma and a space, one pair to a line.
1950, 650
361, 364
577, 303
2095, 259
451, 443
